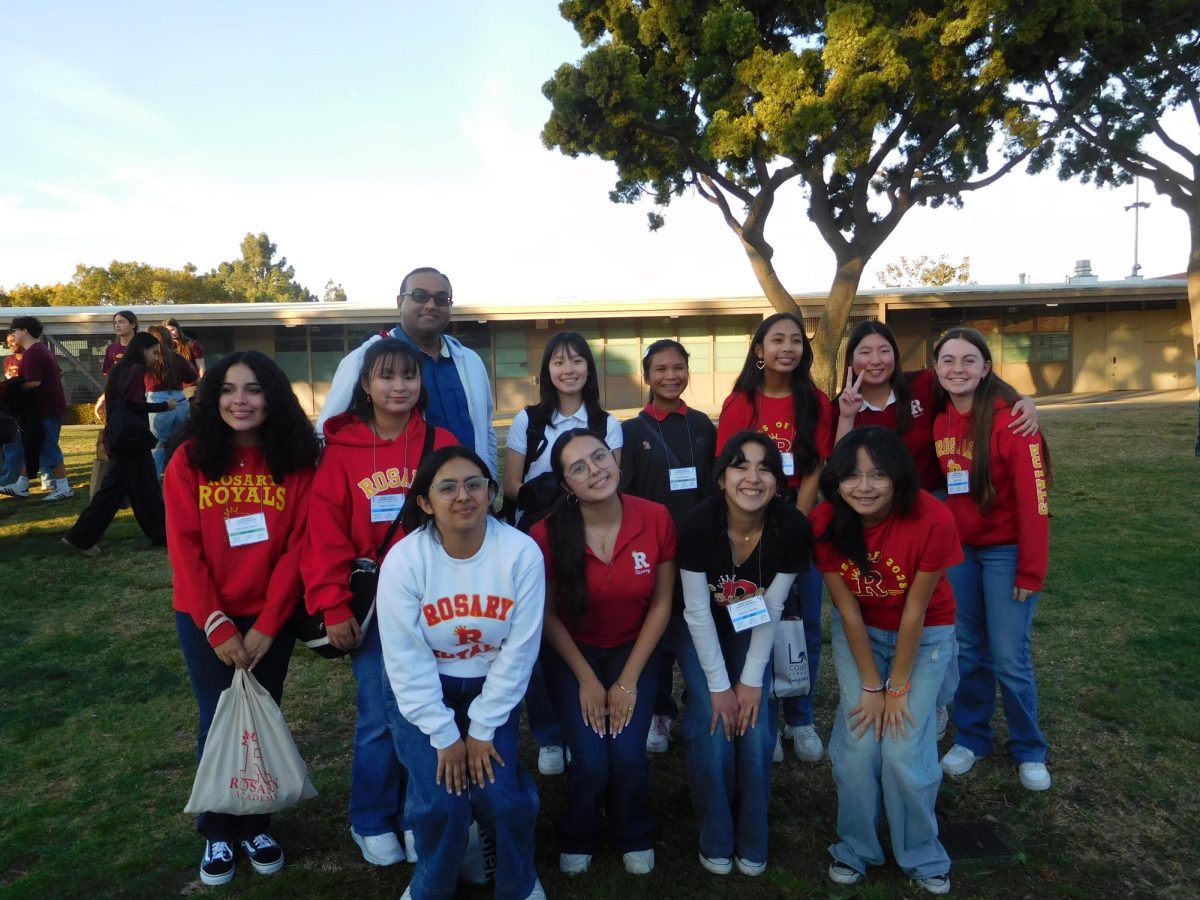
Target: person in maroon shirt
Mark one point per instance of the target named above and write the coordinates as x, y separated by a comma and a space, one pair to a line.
610, 578
44, 407
13, 464
125, 326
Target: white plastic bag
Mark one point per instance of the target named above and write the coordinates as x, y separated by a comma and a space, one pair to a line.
790, 659
250, 763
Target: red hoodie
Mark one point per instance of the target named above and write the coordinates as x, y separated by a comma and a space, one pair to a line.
1020, 514
355, 466
210, 577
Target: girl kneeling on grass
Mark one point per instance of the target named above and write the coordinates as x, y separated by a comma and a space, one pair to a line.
997, 484
460, 621
371, 456
739, 554
884, 545
610, 575
237, 498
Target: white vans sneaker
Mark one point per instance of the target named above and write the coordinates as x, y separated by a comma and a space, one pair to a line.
639, 862
380, 849
958, 760
806, 743
658, 739
551, 761
1035, 776
574, 863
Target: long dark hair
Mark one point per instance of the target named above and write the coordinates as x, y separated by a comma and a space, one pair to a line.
890, 456
734, 454
805, 407
983, 409
288, 439
564, 532
168, 369
898, 381
412, 516
181, 344
548, 394
400, 355
120, 374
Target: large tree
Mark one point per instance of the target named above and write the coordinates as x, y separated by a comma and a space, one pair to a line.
1141, 68
877, 107
258, 277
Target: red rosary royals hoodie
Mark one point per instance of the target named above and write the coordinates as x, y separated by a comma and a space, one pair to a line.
356, 466
1020, 514
260, 579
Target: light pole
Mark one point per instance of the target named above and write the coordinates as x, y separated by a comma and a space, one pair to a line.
1137, 206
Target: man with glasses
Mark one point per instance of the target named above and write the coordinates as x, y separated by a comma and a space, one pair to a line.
460, 395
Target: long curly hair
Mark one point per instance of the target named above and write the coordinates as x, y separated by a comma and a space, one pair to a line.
806, 408
288, 439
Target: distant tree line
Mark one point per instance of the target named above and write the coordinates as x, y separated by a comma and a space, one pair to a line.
256, 277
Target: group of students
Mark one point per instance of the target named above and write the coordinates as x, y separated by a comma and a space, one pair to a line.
656, 541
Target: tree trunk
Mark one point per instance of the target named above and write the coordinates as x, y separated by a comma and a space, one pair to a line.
1193, 281
832, 327
777, 295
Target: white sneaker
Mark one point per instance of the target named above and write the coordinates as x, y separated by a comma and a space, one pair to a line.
840, 873
639, 862
410, 846
934, 884
380, 849
574, 863
943, 721
958, 760
752, 869
59, 495
720, 865
658, 739
805, 742
14, 490
550, 760
538, 892
1035, 776
777, 756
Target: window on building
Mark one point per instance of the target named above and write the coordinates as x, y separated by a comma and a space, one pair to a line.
696, 337
328, 349
291, 351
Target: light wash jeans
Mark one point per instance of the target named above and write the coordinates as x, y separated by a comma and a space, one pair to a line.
994, 632
377, 779
730, 781
164, 424
896, 776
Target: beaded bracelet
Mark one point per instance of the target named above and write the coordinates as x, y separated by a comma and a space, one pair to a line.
898, 692
873, 690
625, 689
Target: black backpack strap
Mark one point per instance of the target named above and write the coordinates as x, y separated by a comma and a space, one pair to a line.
535, 439
598, 422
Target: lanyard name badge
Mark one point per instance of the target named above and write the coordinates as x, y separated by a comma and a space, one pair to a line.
681, 478
243, 530
385, 507
749, 612
958, 482
789, 464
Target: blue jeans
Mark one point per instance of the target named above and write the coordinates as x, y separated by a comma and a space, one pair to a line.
543, 724
51, 454
377, 780
805, 600
902, 773
610, 773
730, 781
209, 678
164, 424
441, 821
12, 465
993, 632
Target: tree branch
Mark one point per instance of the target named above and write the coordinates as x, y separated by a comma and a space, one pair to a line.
1134, 96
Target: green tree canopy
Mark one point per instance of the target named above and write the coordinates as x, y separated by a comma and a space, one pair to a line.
924, 272
258, 277
876, 107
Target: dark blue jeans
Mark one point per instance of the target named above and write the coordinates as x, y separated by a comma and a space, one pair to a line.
543, 724
607, 772
210, 677
441, 821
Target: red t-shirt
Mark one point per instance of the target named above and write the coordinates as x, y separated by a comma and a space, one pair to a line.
39, 364
355, 467
775, 417
112, 355
899, 548
259, 579
619, 592
1020, 514
919, 437
12, 365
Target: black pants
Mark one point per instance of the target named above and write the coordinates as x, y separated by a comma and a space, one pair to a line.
129, 475
33, 435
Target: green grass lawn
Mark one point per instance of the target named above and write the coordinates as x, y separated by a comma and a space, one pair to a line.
97, 721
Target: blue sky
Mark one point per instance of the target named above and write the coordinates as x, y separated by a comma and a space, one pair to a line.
370, 138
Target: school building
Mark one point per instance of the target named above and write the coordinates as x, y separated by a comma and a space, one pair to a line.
1079, 336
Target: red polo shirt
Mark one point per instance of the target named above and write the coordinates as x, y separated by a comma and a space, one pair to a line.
618, 592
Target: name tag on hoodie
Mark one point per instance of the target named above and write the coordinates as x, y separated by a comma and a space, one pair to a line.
385, 507
244, 530
958, 482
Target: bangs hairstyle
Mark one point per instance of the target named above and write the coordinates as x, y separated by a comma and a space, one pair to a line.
890, 456
288, 439
898, 381
734, 454
399, 355
412, 516
129, 316
564, 531
983, 409
119, 375
568, 342
805, 408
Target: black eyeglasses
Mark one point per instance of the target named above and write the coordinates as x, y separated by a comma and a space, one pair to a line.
421, 297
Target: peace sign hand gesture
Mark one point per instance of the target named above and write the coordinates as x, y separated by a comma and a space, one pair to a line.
850, 400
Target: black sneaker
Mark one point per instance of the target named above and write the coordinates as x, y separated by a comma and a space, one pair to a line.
217, 865
265, 855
